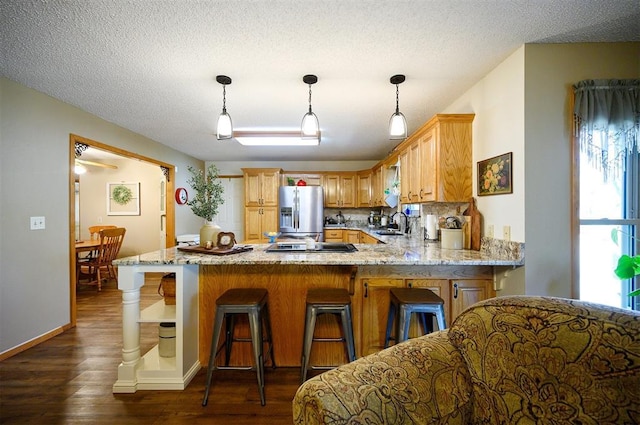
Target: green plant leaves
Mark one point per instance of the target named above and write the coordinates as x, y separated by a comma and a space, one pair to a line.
628, 267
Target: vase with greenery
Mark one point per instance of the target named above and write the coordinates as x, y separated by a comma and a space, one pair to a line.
206, 200
628, 266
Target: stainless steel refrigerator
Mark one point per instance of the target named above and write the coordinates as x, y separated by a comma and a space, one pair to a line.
301, 212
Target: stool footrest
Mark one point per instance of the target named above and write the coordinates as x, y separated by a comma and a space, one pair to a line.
323, 367
329, 339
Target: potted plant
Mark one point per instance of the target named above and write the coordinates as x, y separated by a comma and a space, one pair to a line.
628, 267
208, 198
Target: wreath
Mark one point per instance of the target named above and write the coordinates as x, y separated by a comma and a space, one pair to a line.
122, 195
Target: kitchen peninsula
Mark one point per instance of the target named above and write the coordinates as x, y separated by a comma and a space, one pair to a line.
460, 277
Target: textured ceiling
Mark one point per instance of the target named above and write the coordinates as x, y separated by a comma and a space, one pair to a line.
150, 65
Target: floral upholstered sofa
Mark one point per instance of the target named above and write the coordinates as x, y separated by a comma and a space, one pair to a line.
508, 360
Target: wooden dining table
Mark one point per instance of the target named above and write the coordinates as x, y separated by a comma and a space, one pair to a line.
84, 246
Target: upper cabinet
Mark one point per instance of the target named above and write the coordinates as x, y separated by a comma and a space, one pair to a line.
436, 161
365, 188
261, 187
340, 190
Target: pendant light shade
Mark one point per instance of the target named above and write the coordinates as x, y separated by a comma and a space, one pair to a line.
310, 128
397, 123
225, 127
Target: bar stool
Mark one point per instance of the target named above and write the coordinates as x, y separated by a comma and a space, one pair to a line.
253, 303
405, 301
326, 301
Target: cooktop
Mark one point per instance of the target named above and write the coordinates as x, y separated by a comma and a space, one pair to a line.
319, 247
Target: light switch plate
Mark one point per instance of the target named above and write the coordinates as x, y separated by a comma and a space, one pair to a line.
506, 233
37, 223
490, 231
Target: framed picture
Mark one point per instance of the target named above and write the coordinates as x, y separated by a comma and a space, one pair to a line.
494, 175
123, 198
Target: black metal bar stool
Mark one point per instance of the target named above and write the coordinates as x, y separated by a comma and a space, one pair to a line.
326, 301
253, 303
405, 301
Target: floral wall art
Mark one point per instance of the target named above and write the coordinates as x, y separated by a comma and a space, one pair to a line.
494, 175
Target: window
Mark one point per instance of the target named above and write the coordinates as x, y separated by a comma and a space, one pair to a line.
608, 187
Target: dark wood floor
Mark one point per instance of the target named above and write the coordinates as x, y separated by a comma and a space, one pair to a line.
68, 379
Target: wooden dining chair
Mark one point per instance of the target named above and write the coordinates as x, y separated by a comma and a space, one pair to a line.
99, 268
94, 231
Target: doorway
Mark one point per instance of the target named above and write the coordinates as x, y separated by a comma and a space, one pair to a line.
79, 144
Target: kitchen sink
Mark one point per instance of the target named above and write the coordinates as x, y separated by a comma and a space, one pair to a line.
319, 247
389, 232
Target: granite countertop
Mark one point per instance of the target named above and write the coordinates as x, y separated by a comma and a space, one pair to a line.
395, 250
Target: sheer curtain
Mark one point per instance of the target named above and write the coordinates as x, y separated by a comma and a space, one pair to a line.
607, 121
607, 126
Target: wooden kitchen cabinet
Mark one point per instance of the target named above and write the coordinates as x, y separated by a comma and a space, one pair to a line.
365, 188
340, 190
261, 203
436, 161
375, 307
351, 236
333, 235
365, 238
410, 166
261, 187
465, 292
259, 220
458, 294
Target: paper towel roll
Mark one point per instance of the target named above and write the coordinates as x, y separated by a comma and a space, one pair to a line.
431, 227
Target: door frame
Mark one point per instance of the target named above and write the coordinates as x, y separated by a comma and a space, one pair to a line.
169, 207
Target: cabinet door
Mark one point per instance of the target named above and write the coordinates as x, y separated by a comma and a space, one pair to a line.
466, 292
352, 236
375, 307
259, 220
440, 287
364, 190
252, 189
376, 187
348, 193
364, 238
333, 235
269, 221
270, 184
427, 190
405, 176
331, 190
253, 224
414, 170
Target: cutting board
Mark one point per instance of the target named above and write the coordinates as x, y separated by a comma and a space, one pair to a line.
215, 251
474, 214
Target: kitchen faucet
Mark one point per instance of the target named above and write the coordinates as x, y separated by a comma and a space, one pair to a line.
406, 220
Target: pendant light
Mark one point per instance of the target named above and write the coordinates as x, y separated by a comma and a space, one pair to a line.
225, 127
310, 128
397, 123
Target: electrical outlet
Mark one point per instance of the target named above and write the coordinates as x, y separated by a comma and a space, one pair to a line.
506, 233
490, 231
37, 223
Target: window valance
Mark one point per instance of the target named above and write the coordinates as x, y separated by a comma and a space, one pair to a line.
607, 121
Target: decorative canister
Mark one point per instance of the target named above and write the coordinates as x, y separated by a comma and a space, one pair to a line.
451, 238
167, 339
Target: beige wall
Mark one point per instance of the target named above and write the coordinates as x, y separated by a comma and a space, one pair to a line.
522, 107
34, 181
143, 231
550, 71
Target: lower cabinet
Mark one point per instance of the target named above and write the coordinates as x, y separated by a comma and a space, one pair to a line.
458, 294
351, 236
259, 220
333, 235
